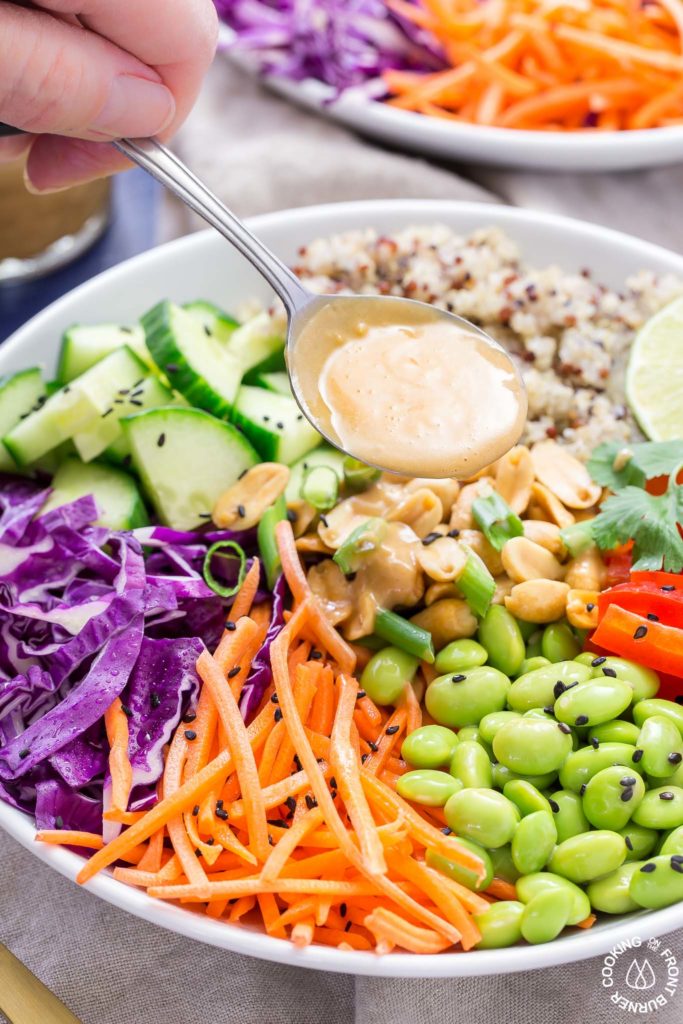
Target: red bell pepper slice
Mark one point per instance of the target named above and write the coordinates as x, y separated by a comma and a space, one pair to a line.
632, 636
645, 599
661, 579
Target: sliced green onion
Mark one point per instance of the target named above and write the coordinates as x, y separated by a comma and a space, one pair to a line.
372, 642
578, 537
496, 520
267, 545
216, 550
358, 476
410, 638
320, 487
365, 538
476, 584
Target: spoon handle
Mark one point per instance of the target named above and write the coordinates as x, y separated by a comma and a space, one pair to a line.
167, 168
24, 999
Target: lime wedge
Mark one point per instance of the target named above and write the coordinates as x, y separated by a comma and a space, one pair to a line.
654, 378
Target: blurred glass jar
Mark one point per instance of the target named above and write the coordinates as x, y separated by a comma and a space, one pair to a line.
39, 234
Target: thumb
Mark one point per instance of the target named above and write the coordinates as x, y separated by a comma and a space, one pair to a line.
57, 77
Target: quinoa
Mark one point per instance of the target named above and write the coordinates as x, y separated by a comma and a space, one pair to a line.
569, 334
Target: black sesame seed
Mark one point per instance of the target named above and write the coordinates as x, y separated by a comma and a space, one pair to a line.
297, 761
364, 758
140, 391
609, 672
668, 588
234, 672
270, 841
139, 382
459, 678
679, 699
300, 416
123, 391
243, 474
626, 795
629, 843
155, 700
277, 717
590, 606
647, 869
333, 783
628, 780
581, 720
107, 411
640, 633
189, 717
342, 909
315, 655
563, 727
280, 425
554, 806
373, 746
674, 757
595, 742
210, 842
59, 821
598, 661
161, 440
676, 865
231, 626
549, 709
195, 810
24, 753
127, 711
278, 822
197, 853
347, 925
190, 734
652, 617
204, 515
637, 756
219, 804
430, 538
311, 801
291, 515
392, 729
582, 790
222, 814
351, 576
241, 511
207, 330
136, 401
558, 688
360, 695
453, 533
274, 698
666, 796
447, 831
291, 803
126, 330
266, 419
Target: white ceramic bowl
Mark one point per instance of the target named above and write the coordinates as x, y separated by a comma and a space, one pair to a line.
205, 266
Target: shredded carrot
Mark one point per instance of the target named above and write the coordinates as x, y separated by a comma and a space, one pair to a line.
247, 592
388, 926
116, 726
502, 890
64, 837
587, 922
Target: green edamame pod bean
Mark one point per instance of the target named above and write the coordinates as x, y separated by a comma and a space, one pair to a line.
530, 886
428, 787
611, 797
490, 724
594, 702
617, 731
482, 815
612, 894
589, 855
671, 780
659, 882
527, 629
640, 841
462, 874
430, 746
533, 644
464, 698
662, 746
500, 925
533, 842
502, 775
386, 674
526, 797
530, 664
643, 681
538, 689
470, 764
531, 746
503, 865
585, 658
470, 732
583, 764
673, 842
656, 706
460, 656
501, 636
558, 642
569, 817
546, 915
661, 808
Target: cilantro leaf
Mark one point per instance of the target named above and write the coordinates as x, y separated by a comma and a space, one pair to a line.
648, 460
650, 521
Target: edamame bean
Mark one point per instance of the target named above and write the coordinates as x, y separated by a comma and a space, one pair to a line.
567, 808
530, 664
533, 644
583, 764
588, 856
656, 706
617, 731
643, 681
502, 775
662, 746
612, 894
527, 629
673, 842
502, 638
464, 698
533, 842
526, 797
540, 688
461, 874
500, 925
531, 885
611, 797
482, 815
594, 702
661, 808
460, 656
531, 746
503, 865
659, 882
546, 915
672, 780
640, 841
585, 658
470, 732
428, 787
490, 724
430, 746
558, 642
470, 764
386, 674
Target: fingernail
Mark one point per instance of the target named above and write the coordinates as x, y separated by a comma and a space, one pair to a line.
136, 108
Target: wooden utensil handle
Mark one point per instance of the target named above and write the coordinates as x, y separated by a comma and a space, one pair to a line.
24, 999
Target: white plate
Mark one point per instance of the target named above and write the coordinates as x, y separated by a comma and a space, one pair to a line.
473, 143
205, 266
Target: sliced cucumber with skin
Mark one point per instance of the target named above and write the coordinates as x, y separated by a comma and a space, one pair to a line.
257, 344
20, 394
195, 363
83, 346
74, 407
273, 364
322, 456
278, 381
274, 424
107, 430
214, 320
186, 459
117, 497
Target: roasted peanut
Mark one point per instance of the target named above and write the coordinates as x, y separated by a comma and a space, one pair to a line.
563, 475
547, 535
446, 490
514, 477
538, 600
582, 608
332, 589
442, 560
551, 506
438, 591
421, 510
525, 560
476, 540
461, 513
450, 619
503, 589
587, 571
243, 504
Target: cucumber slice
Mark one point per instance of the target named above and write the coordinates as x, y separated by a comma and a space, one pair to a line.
213, 320
83, 346
20, 394
196, 364
115, 492
322, 456
274, 424
257, 344
277, 381
107, 430
75, 406
186, 459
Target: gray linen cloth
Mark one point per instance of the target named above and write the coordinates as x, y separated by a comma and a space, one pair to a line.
261, 154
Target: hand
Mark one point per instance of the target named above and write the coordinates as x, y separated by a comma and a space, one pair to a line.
76, 73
